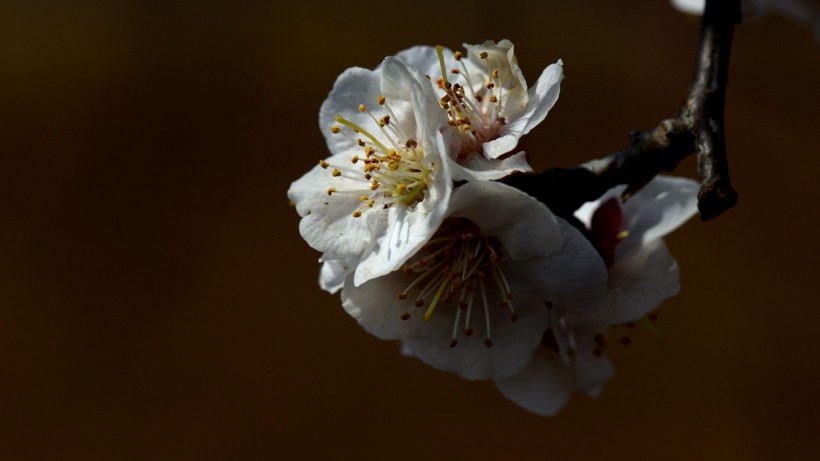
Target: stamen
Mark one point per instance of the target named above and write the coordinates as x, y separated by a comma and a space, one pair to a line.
429, 314
486, 315
453, 340
455, 262
468, 330
361, 130
440, 53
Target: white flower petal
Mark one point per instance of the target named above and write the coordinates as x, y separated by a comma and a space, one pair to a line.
327, 223
333, 273
375, 305
689, 6
543, 387
353, 87
424, 59
407, 229
574, 277
513, 342
500, 56
662, 206
541, 99
525, 226
592, 370
480, 168
639, 282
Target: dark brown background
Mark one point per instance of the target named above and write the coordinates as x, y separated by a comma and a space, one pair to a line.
158, 302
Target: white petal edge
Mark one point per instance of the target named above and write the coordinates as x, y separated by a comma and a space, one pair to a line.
543, 387
525, 226
639, 282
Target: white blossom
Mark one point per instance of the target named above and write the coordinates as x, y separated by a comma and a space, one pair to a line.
641, 274
475, 299
487, 102
383, 191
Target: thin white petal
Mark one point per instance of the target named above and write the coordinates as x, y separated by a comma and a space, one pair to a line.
327, 223
574, 277
479, 168
333, 273
353, 87
407, 229
513, 342
591, 371
375, 305
543, 387
525, 226
424, 59
689, 6
639, 282
662, 206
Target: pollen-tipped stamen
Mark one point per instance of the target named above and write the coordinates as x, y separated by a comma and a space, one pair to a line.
361, 130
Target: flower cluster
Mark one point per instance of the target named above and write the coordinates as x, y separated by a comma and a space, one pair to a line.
471, 275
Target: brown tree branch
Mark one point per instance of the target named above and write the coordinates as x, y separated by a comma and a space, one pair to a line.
697, 128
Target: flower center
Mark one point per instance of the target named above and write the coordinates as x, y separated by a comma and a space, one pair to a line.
390, 165
459, 264
474, 111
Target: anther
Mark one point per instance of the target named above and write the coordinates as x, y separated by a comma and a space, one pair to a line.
513, 317
402, 295
323, 164
488, 342
495, 73
419, 302
380, 100
453, 343
357, 214
405, 316
331, 190
468, 331
493, 98
458, 55
483, 55
362, 108
490, 85
335, 129
336, 173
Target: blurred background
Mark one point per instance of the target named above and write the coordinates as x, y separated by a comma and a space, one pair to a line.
158, 302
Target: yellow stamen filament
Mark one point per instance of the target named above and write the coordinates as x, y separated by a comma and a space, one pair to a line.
452, 265
361, 130
440, 53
